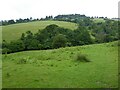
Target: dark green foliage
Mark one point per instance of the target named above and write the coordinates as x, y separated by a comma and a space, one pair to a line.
106, 31
109, 38
82, 36
22, 36
82, 58
100, 37
4, 44
34, 44
59, 41
51, 65
5, 50
8, 74
11, 22
70, 18
46, 36
29, 41
15, 46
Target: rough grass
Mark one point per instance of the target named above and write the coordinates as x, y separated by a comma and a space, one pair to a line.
57, 68
81, 58
13, 32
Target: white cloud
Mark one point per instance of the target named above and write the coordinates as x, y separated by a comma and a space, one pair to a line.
13, 9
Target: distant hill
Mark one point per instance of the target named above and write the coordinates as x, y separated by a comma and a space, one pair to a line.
70, 17
76, 18
14, 31
116, 19
97, 26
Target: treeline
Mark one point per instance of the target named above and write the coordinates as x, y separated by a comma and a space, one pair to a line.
9, 22
76, 18
70, 17
54, 36
105, 31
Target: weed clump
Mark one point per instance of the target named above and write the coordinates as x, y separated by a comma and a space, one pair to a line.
72, 53
36, 80
8, 75
22, 61
51, 65
59, 59
81, 58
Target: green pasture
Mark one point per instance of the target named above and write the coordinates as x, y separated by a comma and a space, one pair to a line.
58, 69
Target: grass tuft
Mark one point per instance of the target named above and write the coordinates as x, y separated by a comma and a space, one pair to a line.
22, 61
82, 58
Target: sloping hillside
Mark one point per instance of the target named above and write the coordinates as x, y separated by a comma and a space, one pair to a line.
58, 69
13, 32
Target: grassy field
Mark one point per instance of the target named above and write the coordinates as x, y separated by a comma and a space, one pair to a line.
0, 72
58, 69
13, 32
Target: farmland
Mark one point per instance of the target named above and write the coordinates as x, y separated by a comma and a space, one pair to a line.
57, 68
13, 32
52, 58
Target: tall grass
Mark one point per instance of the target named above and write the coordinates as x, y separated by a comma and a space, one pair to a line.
81, 57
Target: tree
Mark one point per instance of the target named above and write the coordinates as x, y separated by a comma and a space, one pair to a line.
59, 41
4, 22
108, 38
23, 36
27, 39
11, 22
30, 18
15, 46
46, 36
6, 51
52, 27
100, 37
20, 21
82, 36
34, 44
26, 20
4, 44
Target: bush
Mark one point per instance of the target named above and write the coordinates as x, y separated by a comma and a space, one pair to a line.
82, 58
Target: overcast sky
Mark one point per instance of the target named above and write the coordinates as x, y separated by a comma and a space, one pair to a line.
15, 9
